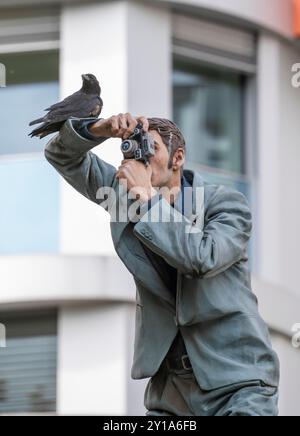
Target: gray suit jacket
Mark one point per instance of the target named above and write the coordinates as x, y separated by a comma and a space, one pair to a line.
213, 305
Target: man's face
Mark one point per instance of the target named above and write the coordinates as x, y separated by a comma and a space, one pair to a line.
161, 174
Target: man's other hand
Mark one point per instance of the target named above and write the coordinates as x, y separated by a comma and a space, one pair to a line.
137, 177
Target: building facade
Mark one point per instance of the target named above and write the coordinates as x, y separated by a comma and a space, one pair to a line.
223, 70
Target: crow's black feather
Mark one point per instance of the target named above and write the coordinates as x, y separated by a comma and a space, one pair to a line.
84, 103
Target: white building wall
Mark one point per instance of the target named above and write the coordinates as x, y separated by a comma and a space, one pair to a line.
128, 46
290, 170
93, 357
126, 34
119, 34
269, 227
275, 15
289, 229
278, 162
149, 61
290, 381
124, 31
101, 48
278, 206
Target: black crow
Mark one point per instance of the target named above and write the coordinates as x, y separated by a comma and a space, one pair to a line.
84, 103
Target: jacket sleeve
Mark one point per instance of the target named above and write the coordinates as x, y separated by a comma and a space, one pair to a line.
208, 252
69, 153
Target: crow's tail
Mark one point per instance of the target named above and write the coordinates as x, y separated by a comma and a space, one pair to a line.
39, 131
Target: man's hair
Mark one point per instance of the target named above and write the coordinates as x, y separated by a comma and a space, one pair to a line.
170, 134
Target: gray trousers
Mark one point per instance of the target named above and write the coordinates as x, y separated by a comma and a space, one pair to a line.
176, 392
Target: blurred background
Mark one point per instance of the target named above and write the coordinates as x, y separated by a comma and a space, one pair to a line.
222, 70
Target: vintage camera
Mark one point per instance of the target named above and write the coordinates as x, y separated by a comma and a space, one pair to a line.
139, 146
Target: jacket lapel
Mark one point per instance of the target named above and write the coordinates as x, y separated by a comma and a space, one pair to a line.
191, 201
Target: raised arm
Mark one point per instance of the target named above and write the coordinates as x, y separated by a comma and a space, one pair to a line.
70, 153
222, 243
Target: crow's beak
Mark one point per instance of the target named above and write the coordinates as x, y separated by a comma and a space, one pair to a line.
85, 77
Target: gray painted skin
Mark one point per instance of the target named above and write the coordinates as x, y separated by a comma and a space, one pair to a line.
213, 306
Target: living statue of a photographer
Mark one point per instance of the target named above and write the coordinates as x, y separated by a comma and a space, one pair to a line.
199, 335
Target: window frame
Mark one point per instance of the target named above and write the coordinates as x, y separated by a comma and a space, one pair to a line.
200, 55
44, 36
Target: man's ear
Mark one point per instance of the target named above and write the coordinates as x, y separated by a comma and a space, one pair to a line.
178, 158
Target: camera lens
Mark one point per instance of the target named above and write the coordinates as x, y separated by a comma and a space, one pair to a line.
125, 146
128, 147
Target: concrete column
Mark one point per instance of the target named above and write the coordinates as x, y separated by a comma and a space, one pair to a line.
95, 346
290, 174
149, 61
126, 45
269, 199
99, 48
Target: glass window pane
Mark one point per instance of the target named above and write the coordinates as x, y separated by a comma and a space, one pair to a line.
31, 86
30, 206
28, 363
208, 107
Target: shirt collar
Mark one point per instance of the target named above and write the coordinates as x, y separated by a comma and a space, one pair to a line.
183, 202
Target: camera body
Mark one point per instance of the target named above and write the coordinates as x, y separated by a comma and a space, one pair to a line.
139, 146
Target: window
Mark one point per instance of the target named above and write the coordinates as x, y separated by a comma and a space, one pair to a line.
208, 106
214, 99
31, 86
214, 68
28, 363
